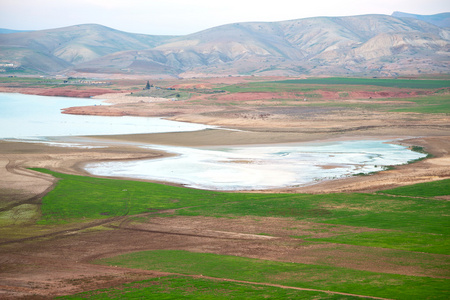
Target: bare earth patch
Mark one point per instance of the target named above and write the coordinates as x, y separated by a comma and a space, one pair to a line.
59, 264
39, 263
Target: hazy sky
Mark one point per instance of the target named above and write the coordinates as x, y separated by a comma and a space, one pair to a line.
177, 17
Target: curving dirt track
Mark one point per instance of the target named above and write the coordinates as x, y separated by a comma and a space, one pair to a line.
60, 263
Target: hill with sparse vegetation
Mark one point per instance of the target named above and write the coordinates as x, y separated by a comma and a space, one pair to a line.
368, 45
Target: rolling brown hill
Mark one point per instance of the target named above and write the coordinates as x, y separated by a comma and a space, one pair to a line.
54, 50
359, 45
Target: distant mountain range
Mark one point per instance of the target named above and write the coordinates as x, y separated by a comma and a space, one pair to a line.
4, 30
368, 45
441, 20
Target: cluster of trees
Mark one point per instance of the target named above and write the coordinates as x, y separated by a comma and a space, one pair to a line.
148, 86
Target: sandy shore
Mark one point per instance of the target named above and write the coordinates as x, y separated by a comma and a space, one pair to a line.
252, 122
119, 98
435, 168
18, 183
16, 157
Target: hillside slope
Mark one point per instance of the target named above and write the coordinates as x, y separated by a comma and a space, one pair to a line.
68, 46
441, 20
363, 45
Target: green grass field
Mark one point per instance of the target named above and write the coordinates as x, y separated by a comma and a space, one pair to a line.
337, 84
77, 198
419, 220
426, 104
392, 239
409, 221
397, 83
436, 102
162, 93
283, 273
179, 287
21, 80
428, 189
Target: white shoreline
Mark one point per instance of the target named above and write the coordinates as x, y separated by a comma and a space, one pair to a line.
259, 167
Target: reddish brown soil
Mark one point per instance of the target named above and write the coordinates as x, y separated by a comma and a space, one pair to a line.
324, 95
42, 262
192, 86
60, 263
218, 104
97, 111
61, 92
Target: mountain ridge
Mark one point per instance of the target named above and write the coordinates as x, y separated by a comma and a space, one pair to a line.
6, 30
441, 20
363, 45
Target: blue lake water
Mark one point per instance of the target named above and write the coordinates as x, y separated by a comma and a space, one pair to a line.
31, 116
216, 168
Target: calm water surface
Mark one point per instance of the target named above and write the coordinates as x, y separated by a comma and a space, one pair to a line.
261, 167
31, 116
216, 168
